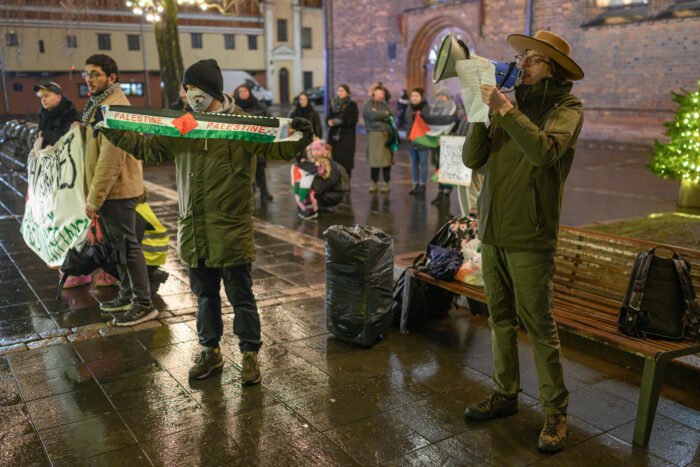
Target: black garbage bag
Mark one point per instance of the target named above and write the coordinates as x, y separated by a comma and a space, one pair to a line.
359, 283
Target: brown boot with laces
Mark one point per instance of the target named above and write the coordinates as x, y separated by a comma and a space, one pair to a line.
495, 406
553, 435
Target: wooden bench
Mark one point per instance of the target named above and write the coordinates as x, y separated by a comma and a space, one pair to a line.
592, 272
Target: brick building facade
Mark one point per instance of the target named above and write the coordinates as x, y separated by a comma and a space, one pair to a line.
633, 56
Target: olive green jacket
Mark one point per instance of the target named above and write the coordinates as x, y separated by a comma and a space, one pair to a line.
526, 154
215, 187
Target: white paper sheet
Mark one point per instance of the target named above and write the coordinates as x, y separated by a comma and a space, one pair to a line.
472, 74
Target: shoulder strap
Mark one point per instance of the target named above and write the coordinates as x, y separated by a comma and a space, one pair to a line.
640, 280
633, 301
693, 310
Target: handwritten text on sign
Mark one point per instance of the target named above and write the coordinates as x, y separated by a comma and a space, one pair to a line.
54, 217
452, 169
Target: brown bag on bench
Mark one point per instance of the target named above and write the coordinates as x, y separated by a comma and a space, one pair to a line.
660, 300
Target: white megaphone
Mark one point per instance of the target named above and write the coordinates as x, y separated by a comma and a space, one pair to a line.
452, 50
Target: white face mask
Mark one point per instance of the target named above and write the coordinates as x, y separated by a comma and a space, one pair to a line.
198, 100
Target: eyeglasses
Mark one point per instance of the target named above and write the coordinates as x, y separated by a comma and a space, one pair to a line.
524, 60
93, 75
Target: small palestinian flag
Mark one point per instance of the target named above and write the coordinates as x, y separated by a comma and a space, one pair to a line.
301, 182
427, 135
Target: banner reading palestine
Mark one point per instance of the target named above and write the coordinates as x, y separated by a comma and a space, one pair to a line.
199, 125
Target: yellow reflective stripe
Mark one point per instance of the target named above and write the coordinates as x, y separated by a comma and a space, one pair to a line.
150, 248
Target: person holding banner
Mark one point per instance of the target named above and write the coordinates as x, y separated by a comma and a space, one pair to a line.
526, 153
114, 181
215, 228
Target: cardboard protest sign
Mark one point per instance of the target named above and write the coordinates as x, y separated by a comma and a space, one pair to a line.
452, 169
54, 216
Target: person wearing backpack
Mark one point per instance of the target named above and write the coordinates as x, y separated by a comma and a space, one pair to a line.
526, 153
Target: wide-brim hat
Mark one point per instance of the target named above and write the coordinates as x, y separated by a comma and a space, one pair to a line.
551, 46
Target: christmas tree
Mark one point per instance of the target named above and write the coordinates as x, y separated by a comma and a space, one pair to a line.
679, 159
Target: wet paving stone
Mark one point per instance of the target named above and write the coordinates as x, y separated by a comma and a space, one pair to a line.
132, 456
434, 418
313, 449
72, 443
69, 407
23, 450
601, 409
427, 456
15, 423
377, 439
5, 371
201, 445
143, 390
33, 361
604, 450
297, 382
114, 368
12, 332
56, 381
164, 417
9, 392
334, 407
23, 311
110, 347
670, 440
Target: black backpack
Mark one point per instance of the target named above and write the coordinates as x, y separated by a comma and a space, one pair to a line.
660, 300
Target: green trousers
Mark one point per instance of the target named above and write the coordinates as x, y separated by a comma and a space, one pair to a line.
519, 289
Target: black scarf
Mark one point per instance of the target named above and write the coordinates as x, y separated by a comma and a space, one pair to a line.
419, 107
303, 112
339, 105
247, 104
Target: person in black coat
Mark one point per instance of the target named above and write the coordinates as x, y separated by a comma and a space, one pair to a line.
57, 113
342, 120
304, 109
244, 98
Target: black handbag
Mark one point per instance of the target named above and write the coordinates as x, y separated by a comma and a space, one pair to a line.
660, 299
100, 251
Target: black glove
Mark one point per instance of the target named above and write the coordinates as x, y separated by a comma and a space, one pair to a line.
307, 131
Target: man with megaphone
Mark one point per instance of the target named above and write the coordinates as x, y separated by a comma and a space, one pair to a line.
526, 152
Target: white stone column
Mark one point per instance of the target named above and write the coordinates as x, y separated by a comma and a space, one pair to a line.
296, 28
270, 72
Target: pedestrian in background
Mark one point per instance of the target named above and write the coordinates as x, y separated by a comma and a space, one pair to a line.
114, 181
442, 112
304, 109
377, 116
401, 107
342, 121
419, 154
244, 98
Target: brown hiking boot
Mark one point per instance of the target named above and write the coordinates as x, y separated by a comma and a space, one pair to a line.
495, 406
553, 435
250, 368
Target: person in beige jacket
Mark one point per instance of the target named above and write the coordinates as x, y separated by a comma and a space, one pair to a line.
113, 182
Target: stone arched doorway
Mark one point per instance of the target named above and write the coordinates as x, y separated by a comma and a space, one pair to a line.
423, 53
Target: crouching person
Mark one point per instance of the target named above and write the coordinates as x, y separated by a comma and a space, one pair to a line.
215, 228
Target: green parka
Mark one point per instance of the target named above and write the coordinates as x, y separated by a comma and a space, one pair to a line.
527, 154
215, 187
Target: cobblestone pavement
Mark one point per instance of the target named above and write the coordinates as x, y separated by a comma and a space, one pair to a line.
74, 391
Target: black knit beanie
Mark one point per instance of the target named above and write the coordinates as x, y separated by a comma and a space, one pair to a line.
206, 75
